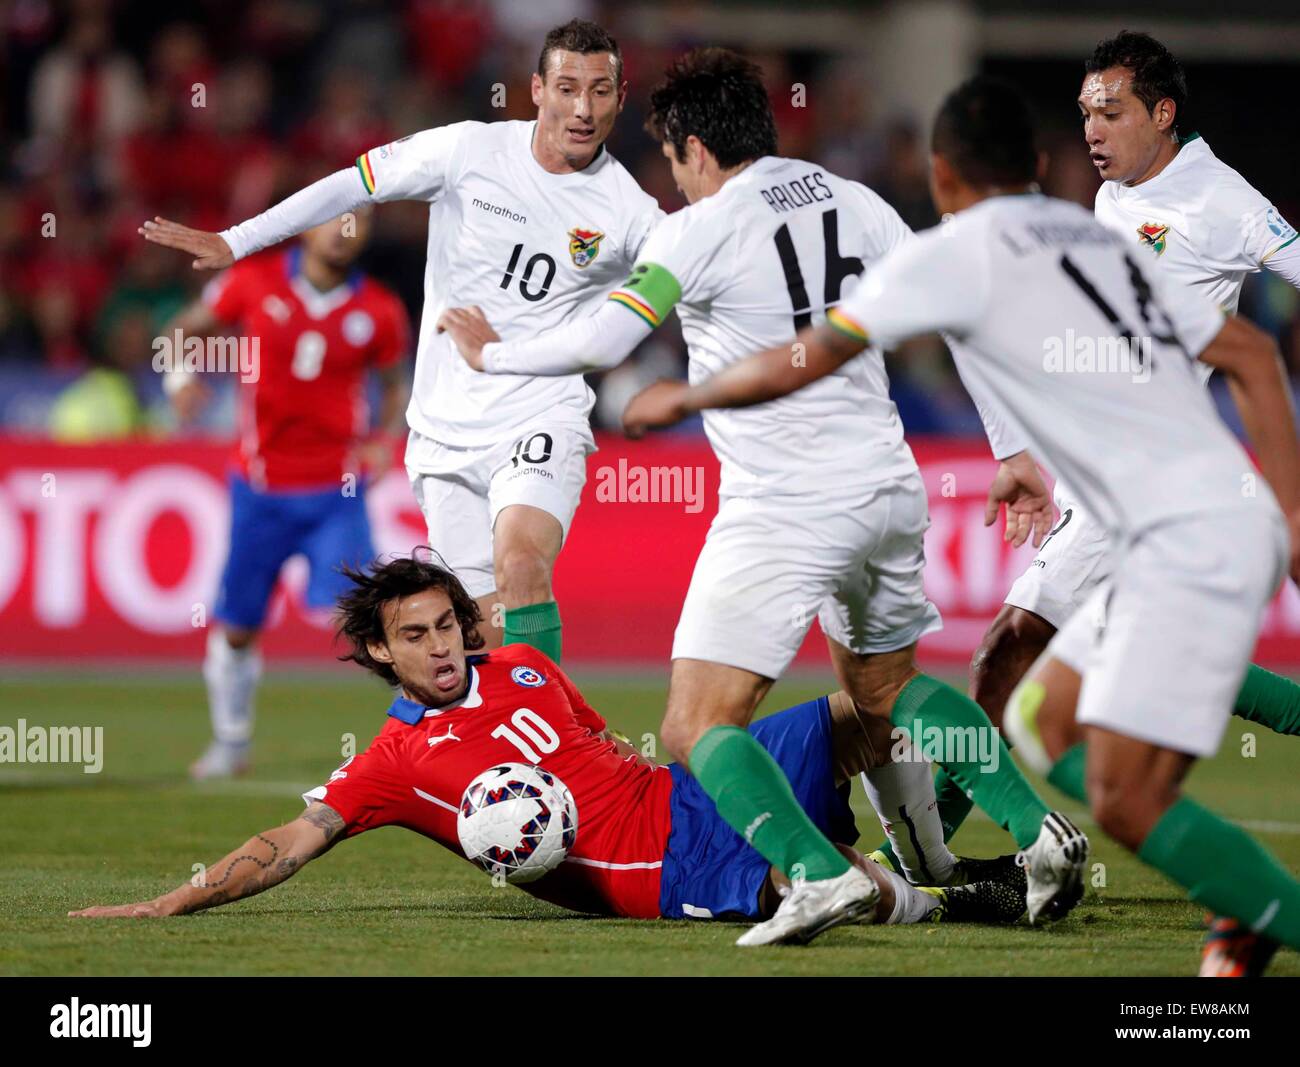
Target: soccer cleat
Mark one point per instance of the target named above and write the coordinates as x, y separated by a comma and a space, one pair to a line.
991, 901
1054, 866
969, 870
812, 907
220, 760
1234, 951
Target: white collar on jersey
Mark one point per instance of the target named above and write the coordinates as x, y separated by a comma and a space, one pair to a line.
317, 304
471, 699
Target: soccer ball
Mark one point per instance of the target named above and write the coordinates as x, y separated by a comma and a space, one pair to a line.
518, 820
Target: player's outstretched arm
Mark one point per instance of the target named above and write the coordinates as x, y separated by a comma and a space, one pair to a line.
816, 352
1250, 360
264, 860
186, 391
319, 202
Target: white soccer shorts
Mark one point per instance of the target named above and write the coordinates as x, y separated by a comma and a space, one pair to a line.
461, 491
1073, 562
1164, 646
770, 564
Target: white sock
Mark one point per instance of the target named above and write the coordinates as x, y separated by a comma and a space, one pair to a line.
910, 904
232, 675
902, 792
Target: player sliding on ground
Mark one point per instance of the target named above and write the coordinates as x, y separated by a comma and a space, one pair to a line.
649, 842
533, 221
823, 511
1202, 543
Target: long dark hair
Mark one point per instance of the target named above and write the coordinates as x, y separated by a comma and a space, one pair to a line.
360, 611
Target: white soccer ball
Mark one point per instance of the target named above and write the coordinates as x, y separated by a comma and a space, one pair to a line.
518, 820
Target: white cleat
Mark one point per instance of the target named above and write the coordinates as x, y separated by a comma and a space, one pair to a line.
1054, 868
220, 760
811, 907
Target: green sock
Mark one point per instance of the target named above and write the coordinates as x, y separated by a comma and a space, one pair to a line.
1224, 869
1067, 772
537, 625
953, 804
1270, 700
754, 797
1004, 794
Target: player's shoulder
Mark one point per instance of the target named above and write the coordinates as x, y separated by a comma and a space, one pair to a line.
269, 264
258, 272
1212, 186
374, 294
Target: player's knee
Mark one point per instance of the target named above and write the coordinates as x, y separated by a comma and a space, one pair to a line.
239, 638
1126, 807
678, 735
523, 576
1009, 648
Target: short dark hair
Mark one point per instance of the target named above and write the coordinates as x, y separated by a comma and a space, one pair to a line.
985, 131
584, 37
360, 611
1157, 75
718, 96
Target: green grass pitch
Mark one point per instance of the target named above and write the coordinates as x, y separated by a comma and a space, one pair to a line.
391, 902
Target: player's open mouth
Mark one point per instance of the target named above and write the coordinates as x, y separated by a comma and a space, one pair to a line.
446, 677
1099, 161
584, 133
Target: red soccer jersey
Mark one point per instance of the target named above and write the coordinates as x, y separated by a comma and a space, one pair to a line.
300, 421
520, 708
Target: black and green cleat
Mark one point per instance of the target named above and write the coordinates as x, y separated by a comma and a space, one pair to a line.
992, 901
998, 869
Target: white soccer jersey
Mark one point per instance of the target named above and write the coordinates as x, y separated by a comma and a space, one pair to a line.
529, 247
1038, 295
747, 268
1202, 222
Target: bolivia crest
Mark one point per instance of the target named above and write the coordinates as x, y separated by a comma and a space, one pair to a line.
584, 246
1153, 234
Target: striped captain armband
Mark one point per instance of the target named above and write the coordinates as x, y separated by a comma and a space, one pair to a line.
846, 325
367, 172
649, 292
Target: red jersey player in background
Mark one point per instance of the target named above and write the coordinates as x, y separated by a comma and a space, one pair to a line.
296, 482
649, 843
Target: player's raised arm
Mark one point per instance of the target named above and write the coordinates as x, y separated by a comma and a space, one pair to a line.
414, 168
264, 860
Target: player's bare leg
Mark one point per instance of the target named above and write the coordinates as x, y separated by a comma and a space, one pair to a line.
703, 695
231, 670
1011, 645
709, 704
526, 542
890, 686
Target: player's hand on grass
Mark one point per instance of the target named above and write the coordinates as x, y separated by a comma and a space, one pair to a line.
145, 909
209, 250
1019, 485
470, 329
656, 406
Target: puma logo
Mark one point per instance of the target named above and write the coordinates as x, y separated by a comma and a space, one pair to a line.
448, 736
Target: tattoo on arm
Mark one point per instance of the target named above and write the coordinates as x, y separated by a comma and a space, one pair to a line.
326, 819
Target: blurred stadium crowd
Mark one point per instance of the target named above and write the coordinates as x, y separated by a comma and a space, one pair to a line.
208, 111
